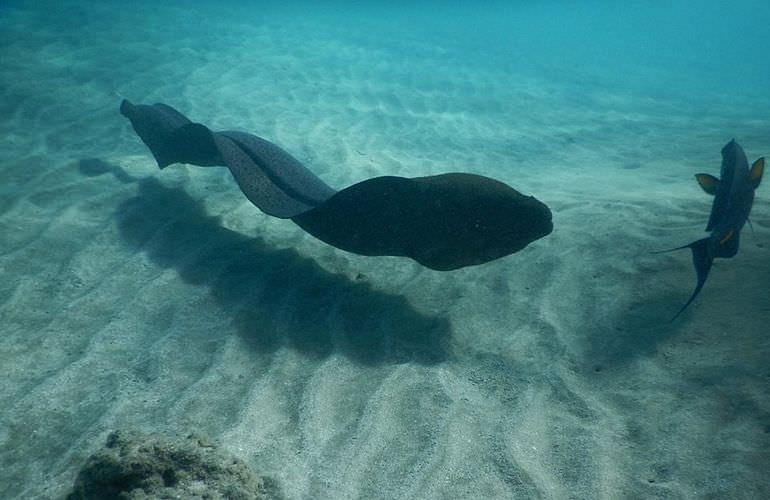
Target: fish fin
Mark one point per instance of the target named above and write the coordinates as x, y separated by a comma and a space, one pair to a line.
673, 249
193, 144
702, 262
728, 246
708, 183
757, 169
753, 235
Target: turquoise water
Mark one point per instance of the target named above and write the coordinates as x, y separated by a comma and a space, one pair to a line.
164, 301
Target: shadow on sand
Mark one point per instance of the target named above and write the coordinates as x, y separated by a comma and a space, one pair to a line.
276, 297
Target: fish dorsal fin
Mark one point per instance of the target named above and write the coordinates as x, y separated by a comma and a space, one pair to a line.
757, 169
708, 183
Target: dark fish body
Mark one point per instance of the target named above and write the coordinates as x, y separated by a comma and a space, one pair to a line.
444, 222
733, 198
734, 195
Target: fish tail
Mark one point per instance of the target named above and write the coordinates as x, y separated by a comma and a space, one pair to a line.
702, 258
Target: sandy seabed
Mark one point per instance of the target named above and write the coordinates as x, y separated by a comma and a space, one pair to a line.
165, 302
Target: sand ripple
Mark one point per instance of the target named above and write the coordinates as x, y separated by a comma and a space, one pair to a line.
163, 301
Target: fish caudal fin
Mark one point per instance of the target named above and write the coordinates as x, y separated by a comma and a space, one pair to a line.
171, 136
701, 260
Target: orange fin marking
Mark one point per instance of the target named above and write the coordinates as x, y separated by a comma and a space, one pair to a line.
757, 169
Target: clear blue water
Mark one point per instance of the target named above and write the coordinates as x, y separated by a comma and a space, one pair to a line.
163, 301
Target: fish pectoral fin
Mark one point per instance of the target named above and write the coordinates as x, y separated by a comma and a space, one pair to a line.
728, 245
757, 169
708, 183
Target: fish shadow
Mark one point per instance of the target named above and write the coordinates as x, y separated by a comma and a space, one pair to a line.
641, 324
639, 331
277, 297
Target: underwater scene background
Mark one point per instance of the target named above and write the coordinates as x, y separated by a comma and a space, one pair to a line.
164, 303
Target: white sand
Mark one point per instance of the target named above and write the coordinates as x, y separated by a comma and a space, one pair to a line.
164, 301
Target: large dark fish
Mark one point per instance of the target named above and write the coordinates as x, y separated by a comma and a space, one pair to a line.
733, 197
444, 222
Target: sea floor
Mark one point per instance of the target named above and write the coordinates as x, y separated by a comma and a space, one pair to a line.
163, 301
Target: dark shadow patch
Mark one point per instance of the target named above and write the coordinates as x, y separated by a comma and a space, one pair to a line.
278, 297
638, 331
637, 326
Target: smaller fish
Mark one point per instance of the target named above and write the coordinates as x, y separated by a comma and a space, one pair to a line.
733, 197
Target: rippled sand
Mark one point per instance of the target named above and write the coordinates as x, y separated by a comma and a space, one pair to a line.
164, 301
